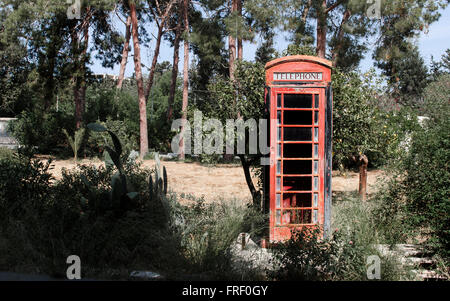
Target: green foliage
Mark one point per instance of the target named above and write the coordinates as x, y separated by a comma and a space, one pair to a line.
99, 140
75, 142
446, 61
359, 126
158, 126
43, 221
24, 187
6, 153
208, 231
293, 49
407, 76
42, 130
343, 254
419, 188
266, 51
342, 257
401, 22
427, 180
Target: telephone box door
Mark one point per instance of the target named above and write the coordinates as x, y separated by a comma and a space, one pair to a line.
298, 138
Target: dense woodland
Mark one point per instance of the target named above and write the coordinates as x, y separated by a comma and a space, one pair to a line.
47, 53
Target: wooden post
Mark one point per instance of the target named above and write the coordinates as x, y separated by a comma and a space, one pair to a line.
363, 162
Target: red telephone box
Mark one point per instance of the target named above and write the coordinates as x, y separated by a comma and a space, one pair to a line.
298, 181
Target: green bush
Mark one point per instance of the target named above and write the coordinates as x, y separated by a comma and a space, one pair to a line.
427, 181
24, 187
129, 226
97, 141
207, 232
44, 131
420, 178
343, 254
359, 127
6, 153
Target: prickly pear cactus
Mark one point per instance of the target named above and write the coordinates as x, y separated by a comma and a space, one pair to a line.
158, 188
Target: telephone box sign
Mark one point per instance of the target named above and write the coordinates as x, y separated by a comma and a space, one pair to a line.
298, 76
297, 184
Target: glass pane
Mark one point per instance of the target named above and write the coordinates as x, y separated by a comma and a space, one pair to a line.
316, 200
306, 217
316, 167
297, 134
316, 183
301, 101
297, 217
278, 167
278, 217
316, 101
316, 118
297, 167
296, 200
279, 101
316, 134
297, 150
278, 183
287, 217
278, 200
279, 117
279, 151
297, 183
315, 216
297, 117
316, 151
279, 134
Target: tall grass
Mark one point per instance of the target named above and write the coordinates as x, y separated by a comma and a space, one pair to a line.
357, 222
208, 231
344, 254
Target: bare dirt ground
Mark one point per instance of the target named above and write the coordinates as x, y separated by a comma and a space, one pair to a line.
221, 182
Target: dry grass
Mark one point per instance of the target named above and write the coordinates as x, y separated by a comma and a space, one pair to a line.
220, 182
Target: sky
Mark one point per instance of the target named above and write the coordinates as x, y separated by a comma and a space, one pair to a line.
434, 43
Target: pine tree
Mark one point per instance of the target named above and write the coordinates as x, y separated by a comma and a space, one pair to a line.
446, 61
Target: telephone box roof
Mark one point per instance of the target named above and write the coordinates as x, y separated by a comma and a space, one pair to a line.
299, 58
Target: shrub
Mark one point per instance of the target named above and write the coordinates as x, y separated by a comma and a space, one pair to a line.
342, 255
427, 181
98, 140
6, 153
419, 188
207, 232
75, 141
43, 130
359, 126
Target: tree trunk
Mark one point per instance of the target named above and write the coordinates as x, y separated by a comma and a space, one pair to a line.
176, 59
322, 30
306, 11
185, 77
154, 61
240, 46
339, 36
84, 61
363, 162
126, 46
232, 45
80, 59
140, 83
256, 196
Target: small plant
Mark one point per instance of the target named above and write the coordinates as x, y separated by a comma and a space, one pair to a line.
75, 142
121, 194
